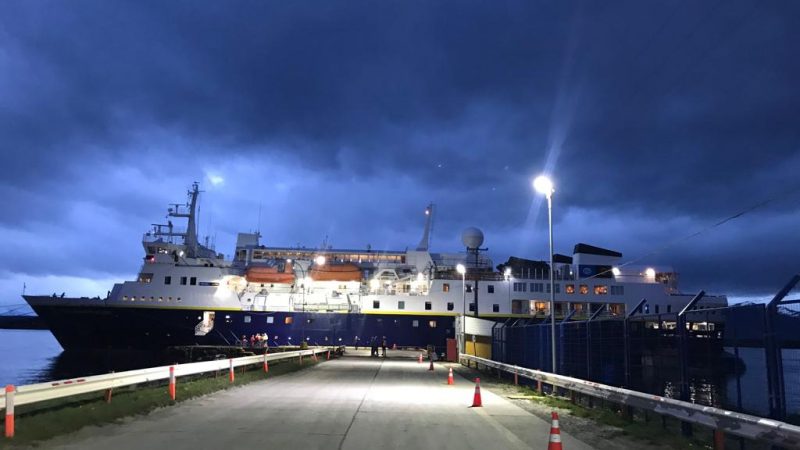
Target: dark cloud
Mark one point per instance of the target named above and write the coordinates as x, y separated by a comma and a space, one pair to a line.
656, 119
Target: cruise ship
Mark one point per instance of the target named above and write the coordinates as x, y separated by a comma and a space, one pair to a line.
188, 294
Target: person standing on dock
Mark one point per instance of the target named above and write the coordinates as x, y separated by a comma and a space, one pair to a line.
356, 342
383, 346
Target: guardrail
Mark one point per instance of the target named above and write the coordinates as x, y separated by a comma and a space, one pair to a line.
39, 392
739, 424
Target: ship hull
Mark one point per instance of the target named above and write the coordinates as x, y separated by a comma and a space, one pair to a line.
93, 327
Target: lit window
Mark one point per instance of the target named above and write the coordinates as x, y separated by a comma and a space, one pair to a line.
247, 319
428, 306
270, 319
569, 288
401, 304
600, 289
540, 306
584, 289
288, 321
490, 289
432, 324
495, 307
145, 277
376, 304
450, 306
167, 280
446, 287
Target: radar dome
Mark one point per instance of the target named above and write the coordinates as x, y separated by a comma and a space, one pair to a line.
472, 238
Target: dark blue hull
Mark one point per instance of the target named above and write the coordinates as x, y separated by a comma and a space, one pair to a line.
92, 328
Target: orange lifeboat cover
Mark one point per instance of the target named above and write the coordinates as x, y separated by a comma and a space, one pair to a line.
270, 275
336, 272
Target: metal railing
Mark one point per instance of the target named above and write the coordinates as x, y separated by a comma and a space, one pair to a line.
739, 424
39, 392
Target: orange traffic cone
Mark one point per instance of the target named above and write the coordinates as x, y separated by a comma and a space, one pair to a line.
450, 377
431, 366
420, 358
555, 434
476, 400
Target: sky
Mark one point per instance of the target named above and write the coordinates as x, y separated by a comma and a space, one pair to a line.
339, 121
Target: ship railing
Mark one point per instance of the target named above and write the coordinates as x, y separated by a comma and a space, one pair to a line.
743, 425
41, 392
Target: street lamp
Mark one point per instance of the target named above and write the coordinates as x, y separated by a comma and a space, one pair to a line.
463, 271
544, 185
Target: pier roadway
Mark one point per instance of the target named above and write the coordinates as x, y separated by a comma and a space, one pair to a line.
355, 402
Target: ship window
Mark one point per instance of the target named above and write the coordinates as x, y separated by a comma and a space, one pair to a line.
428, 306
169, 299
145, 277
124, 298
617, 290
432, 323
469, 288
401, 304
167, 280
287, 321
450, 306
537, 287
669, 308
151, 299
569, 288
446, 287
472, 306
247, 319
415, 323
657, 309
496, 308
183, 281
490, 289
161, 299
557, 287
179, 299
584, 289
600, 289
193, 281
520, 287
540, 307
376, 304
270, 319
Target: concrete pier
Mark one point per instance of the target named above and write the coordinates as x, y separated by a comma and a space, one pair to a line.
355, 402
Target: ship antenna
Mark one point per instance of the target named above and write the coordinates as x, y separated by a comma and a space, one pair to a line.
258, 226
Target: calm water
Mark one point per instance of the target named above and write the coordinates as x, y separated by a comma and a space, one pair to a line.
34, 356
27, 355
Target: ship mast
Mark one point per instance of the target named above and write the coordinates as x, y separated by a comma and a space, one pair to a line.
424, 243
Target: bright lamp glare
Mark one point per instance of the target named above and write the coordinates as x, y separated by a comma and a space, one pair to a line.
507, 272
319, 260
615, 271
650, 272
461, 269
543, 185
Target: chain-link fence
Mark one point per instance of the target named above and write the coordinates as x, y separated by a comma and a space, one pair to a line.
744, 358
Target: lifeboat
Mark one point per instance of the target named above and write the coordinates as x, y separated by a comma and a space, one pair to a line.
270, 275
336, 272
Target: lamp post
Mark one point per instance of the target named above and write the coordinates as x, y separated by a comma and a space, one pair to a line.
544, 185
463, 271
